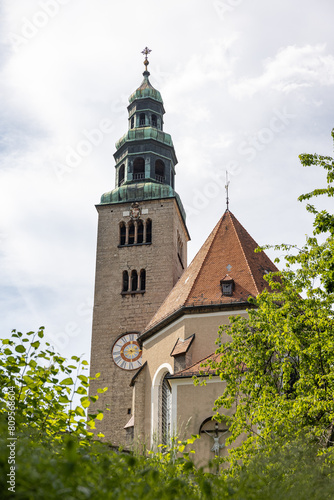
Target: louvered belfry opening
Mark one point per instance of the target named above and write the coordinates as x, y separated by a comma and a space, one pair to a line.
166, 410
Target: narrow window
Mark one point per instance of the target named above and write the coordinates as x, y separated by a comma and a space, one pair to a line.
132, 122
140, 231
180, 249
227, 285
122, 233
159, 171
142, 120
148, 231
172, 179
166, 407
134, 281
121, 174
131, 233
138, 169
143, 280
125, 287
154, 121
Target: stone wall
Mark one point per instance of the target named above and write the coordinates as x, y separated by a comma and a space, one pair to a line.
115, 313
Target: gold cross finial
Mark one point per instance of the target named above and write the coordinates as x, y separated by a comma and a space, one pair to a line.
146, 52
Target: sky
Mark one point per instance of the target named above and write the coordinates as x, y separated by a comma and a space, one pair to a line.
247, 87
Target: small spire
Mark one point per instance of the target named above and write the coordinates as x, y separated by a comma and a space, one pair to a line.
226, 187
146, 52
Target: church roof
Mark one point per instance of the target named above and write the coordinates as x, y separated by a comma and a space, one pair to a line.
145, 90
197, 369
226, 256
182, 346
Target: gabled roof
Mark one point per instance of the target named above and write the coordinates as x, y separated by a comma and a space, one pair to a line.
229, 250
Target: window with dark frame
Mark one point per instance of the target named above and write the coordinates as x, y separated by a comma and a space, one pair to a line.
138, 169
140, 231
134, 281
125, 285
131, 233
121, 175
148, 231
122, 233
142, 280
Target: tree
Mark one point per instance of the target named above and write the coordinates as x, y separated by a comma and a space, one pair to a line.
37, 386
279, 365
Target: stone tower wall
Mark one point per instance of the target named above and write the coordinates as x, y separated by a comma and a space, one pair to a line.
115, 313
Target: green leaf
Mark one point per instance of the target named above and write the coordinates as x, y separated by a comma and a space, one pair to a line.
20, 348
85, 402
63, 399
79, 411
67, 381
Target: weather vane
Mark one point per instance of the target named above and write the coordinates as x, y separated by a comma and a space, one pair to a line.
146, 52
226, 187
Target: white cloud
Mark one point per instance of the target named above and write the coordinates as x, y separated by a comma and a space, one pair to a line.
82, 66
293, 68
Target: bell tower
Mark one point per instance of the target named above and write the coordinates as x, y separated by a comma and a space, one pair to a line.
141, 254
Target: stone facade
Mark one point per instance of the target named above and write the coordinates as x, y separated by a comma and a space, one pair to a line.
115, 313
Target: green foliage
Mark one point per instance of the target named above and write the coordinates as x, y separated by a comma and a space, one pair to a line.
56, 459
71, 471
278, 366
43, 387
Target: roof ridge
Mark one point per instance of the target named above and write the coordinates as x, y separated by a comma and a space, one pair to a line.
212, 235
192, 263
242, 249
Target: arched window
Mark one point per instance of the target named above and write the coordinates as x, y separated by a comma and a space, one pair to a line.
138, 169
121, 174
156, 404
166, 410
131, 233
160, 171
154, 120
142, 120
134, 281
142, 280
125, 286
132, 122
122, 233
140, 231
148, 231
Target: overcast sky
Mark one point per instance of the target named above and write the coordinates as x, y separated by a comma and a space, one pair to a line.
247, 87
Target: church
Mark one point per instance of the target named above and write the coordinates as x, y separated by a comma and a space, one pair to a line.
156, 319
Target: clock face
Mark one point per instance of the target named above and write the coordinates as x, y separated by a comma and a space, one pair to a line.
126, 352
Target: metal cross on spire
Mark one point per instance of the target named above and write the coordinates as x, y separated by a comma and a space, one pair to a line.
146, 52
226, 187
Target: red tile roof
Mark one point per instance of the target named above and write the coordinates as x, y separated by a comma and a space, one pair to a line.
229, 249
182, 346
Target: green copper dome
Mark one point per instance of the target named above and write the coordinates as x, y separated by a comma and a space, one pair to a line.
146, 90
145, 133
140, 191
